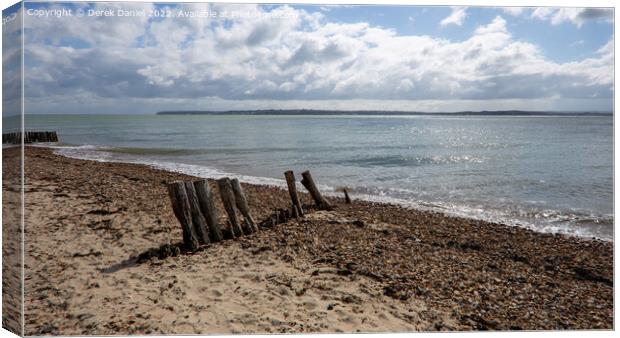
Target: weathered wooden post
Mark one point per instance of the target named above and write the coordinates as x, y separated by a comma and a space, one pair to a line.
228, 199
200, 224
292, 191
347, 199
181, 208
207, 207
308, 182
242, 204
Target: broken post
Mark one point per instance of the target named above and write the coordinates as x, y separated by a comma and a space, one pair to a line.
205, 200
292, 190
242, 204
347, 199
228, 199
200, 224
181, 208
308, 182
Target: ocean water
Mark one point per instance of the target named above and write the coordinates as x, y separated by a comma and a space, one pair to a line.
550, 174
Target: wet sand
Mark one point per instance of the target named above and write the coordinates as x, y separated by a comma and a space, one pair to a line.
365, 267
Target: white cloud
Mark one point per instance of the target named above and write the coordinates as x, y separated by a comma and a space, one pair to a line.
498, 25
304, 59
576, 16
514, 11
457, 17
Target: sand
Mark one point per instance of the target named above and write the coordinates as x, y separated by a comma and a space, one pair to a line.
364, 267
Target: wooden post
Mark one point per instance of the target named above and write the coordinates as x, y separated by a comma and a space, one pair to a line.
181, 208
292, 191
207, 207
228, 199
284, 215
308, 182
347, 199
242, 204
200, 224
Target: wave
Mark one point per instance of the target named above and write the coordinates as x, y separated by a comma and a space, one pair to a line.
236, 150
388, 160
574, 222
407, 161
578, 223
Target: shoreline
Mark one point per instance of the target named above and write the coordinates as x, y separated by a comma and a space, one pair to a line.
369, 266
446, 208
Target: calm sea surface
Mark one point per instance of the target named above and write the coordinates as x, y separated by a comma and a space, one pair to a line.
553, 174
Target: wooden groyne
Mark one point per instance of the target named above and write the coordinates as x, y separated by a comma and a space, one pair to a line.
29, 137
194, 206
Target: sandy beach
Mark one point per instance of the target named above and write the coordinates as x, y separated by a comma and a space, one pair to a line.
364, 267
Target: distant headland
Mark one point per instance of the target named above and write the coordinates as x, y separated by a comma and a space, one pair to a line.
381, 112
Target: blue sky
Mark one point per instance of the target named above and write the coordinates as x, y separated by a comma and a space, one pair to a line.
325, 57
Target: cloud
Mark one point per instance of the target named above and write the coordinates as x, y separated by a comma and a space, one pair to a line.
498, 25
576, 16
457, 17
302, 58
514, 11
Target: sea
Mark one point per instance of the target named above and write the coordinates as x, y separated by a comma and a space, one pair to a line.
546, 173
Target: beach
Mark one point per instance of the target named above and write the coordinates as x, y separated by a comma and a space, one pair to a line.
363, 267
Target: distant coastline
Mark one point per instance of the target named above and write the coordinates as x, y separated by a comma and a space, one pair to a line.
380, 112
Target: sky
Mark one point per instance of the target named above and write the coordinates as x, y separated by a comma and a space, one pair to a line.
144, 58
